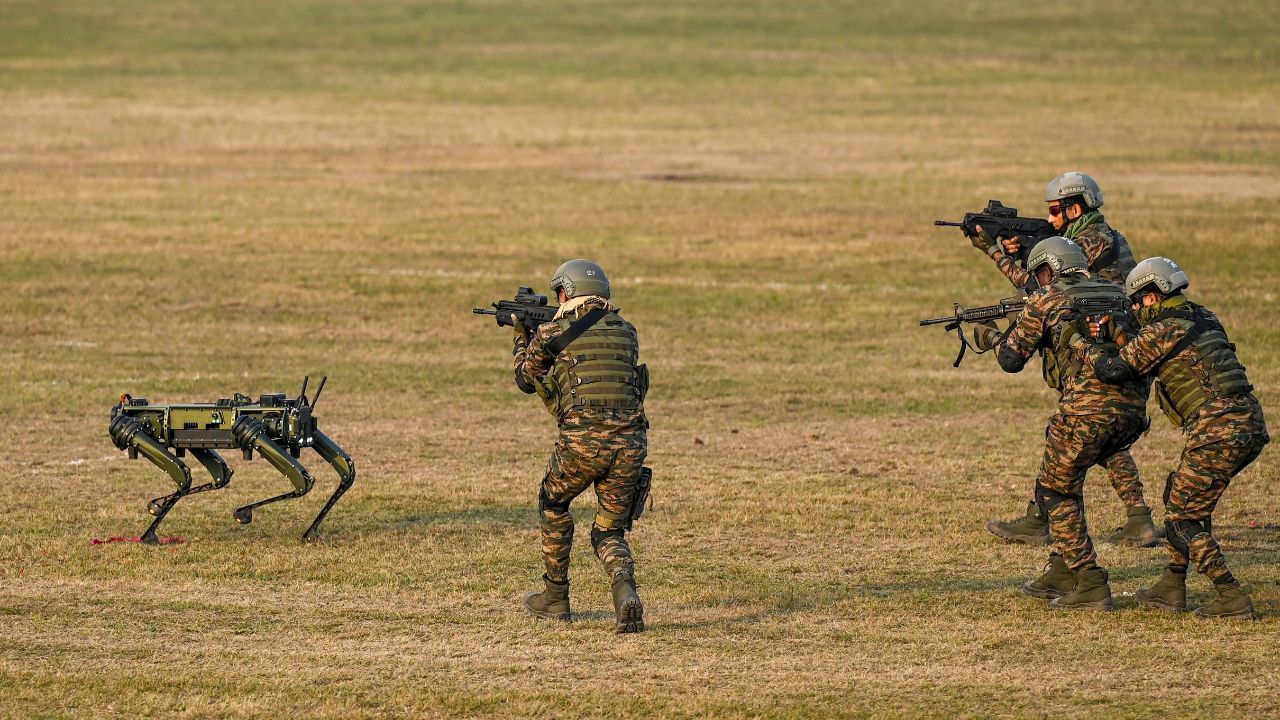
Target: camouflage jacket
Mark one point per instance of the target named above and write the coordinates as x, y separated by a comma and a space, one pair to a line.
1106, 249
1039, 329
1218, 419
533, 361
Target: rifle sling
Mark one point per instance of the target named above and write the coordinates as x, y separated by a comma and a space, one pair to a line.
964, 342
575, 329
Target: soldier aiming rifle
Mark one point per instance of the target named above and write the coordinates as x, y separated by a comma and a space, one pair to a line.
582, 360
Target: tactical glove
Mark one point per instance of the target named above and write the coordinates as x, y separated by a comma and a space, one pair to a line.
985, 335
520, 336
984, 242
521, 332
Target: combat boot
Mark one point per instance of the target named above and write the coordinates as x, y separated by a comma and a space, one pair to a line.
1138, 530
1057, 580
1168, 594
1232, 602
1091, 592
1031, 529
552, 603
627, 608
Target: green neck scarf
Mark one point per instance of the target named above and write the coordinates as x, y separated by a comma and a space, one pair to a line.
1079, 224
1146, 315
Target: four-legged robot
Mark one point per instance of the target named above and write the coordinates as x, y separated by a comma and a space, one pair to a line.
276, 426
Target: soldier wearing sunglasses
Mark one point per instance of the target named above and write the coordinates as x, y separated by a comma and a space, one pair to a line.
1074, 200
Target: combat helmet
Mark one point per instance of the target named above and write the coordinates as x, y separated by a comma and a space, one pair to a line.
1165, 274
1059, 253
580, 277
1074, 184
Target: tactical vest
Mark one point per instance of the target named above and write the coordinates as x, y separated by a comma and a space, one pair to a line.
1061, 363
1211, 370
1115, 264
597, 370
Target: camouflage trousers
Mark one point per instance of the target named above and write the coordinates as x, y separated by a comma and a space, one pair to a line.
608, 456
1192, 492
1073, 444
1122, 471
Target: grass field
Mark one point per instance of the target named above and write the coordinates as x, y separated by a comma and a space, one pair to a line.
203, 198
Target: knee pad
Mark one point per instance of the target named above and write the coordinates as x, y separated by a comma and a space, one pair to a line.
545, 503
1048, 499
598, 536
1180, 532
1171, 537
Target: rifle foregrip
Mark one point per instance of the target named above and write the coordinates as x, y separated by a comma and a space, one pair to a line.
980, 314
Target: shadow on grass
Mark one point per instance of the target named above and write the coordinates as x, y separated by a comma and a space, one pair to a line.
792, 599
1243, 538
511, 515
518, 515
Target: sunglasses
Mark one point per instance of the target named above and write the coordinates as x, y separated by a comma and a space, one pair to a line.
1055, 210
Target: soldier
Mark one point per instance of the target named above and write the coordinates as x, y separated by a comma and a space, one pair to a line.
1202, 388
584, 366
1094, 420
1074, 200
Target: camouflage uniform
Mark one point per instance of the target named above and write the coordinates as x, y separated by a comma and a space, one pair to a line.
1094, 422
603, 431
1202, 388
1110, 258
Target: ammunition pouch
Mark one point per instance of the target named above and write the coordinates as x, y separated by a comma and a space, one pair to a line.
550, 395
1049, 369
1166, 404
642, 381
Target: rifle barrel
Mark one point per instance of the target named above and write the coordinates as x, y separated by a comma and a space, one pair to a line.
482, 311
937, 321
947, 223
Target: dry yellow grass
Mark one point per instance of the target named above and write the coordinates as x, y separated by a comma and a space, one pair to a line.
203, 200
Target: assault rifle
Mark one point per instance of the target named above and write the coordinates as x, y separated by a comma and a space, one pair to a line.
961, 315
1001, 223
530, 308
1091, 310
